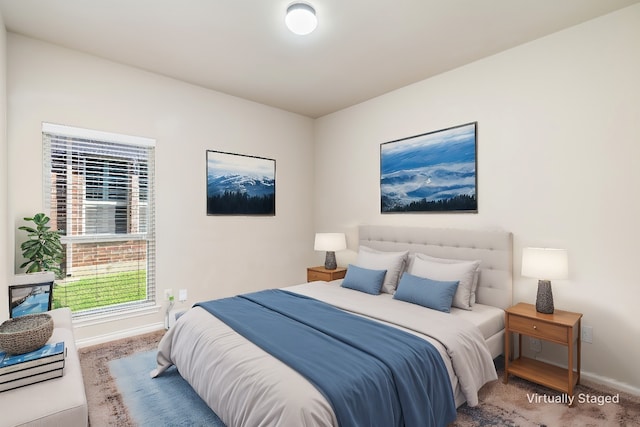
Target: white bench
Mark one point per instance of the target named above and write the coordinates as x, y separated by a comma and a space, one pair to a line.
56, 402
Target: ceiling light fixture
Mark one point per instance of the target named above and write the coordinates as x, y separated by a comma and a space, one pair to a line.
301, 19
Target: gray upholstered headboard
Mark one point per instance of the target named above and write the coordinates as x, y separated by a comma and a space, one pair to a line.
493, 248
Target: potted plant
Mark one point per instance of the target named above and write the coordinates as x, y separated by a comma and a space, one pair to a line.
42, 249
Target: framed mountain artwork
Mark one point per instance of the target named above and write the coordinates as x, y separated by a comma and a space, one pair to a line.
431, 172
238, 184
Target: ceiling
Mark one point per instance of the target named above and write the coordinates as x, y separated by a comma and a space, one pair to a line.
361, 48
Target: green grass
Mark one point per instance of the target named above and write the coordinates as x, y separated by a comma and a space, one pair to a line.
101, 291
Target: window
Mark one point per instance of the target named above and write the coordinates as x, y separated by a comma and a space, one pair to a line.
99, 191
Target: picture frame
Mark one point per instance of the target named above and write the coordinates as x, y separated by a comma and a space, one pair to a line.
239, 184
30, 299
434, 172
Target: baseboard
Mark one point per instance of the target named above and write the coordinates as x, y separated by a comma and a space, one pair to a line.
126, 333
600, 380
610, 383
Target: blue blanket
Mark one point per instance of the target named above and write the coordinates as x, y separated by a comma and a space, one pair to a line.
370, 373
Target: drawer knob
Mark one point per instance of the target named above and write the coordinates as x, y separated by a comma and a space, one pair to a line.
535, 327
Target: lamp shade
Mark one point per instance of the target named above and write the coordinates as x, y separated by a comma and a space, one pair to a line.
330, 242
301, 18
545, 263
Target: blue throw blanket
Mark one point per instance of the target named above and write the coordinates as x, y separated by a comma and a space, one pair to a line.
370, 373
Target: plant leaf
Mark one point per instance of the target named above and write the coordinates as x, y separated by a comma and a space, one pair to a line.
34, 268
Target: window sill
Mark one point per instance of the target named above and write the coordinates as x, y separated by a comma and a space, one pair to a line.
97, 319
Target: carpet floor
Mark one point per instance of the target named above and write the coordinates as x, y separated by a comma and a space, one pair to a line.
518, 403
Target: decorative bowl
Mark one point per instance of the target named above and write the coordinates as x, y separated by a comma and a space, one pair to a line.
25, 333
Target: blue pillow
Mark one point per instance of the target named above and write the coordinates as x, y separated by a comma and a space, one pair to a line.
363, 279
428, 293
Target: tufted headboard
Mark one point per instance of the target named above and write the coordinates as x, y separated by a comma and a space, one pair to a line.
493, 248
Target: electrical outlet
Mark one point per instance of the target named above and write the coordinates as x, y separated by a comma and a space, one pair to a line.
167, 294
587, 334
182, 295
535, 345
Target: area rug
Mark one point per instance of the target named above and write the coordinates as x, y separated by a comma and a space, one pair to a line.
518, 403
152, 401
106, 407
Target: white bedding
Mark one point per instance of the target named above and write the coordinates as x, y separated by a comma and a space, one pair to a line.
490, 320
246, 386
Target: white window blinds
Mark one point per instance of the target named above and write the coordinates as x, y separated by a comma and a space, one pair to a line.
99, 189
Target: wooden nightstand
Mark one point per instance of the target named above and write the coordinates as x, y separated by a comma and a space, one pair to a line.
562, 327
321, 273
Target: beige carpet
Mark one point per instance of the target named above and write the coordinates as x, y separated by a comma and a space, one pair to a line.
500, 404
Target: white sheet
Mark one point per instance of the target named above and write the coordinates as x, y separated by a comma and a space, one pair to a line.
246, 386
490, 320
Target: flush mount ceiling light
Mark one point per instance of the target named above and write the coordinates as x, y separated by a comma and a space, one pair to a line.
301, 18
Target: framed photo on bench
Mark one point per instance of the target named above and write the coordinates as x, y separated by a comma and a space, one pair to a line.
30, 299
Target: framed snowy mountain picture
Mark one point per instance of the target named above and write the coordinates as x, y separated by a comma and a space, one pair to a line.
238, 184
432, 172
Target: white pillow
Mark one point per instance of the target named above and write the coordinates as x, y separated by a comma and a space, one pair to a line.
393, 262
462, 271
476, 276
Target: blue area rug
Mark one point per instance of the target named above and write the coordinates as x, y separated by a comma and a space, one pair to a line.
167, 400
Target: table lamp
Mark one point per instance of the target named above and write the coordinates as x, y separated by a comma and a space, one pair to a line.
545, 264
330, 242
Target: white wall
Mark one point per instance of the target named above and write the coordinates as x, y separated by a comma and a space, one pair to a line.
209, 256
558, 125
4, 223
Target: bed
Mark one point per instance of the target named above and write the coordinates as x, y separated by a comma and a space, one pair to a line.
246, 385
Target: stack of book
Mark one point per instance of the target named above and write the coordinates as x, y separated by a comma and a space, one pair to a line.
29, 368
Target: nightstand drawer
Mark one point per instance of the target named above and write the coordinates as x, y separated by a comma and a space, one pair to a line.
322, 274
313, 276
538, 329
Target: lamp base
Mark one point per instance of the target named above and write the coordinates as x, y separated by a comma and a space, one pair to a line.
330, 261
544, 299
